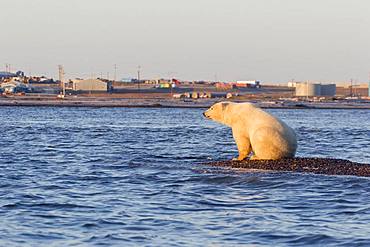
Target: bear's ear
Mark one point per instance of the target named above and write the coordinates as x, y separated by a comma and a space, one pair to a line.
224, 105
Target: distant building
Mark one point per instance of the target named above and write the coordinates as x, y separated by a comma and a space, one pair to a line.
41, 80
348, 84
164, 85
128, 80
200, 95
6, 75
328, 90
91, 85
292, 84
15, 87
314, 89
252, 83
158, 81
225, 86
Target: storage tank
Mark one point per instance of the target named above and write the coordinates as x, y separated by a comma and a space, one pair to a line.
307, 89
328, 90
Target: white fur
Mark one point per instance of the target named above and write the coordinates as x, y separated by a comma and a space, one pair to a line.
255, 131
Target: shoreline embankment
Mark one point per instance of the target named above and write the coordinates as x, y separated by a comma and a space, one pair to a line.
171, 103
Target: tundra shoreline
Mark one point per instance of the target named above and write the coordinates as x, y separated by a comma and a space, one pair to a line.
171, 103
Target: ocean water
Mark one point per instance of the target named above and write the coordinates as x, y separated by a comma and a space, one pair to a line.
134, 177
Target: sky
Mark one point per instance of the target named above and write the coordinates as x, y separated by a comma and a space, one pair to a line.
226, 40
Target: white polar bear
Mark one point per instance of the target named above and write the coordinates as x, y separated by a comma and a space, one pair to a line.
255, 130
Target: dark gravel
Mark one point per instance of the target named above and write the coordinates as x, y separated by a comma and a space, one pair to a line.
310, 165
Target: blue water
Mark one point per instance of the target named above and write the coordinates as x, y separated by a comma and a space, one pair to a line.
125, 176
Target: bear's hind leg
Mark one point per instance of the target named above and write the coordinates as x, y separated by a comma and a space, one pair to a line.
267, 144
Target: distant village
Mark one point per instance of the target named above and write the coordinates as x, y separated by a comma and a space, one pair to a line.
18, 84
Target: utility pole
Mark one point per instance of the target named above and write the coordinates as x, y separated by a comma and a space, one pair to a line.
138, 77
368, 93
307, 90
7, 67
115, 72
294, 86
61, 79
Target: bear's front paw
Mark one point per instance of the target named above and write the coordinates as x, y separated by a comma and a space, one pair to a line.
254, 157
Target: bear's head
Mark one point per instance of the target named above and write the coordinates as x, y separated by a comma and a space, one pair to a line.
216, 112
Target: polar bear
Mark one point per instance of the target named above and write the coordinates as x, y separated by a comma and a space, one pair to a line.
255, 130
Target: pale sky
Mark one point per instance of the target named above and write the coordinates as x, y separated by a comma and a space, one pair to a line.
267, 40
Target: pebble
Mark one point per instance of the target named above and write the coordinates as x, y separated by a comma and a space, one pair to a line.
308, 165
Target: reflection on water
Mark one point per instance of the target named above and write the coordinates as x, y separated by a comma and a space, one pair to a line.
90, 176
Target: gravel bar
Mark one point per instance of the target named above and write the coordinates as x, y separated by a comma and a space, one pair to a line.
308, 165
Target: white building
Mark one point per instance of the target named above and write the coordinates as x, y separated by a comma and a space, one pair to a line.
93, 85
250, 83
305, 89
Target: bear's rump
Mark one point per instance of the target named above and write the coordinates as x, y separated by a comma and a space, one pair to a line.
269, 143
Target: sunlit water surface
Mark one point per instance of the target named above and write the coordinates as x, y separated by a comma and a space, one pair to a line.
119, 176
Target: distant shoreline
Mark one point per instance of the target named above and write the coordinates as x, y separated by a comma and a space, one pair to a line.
169, 103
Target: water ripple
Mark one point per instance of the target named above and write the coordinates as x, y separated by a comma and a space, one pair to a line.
129, 177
